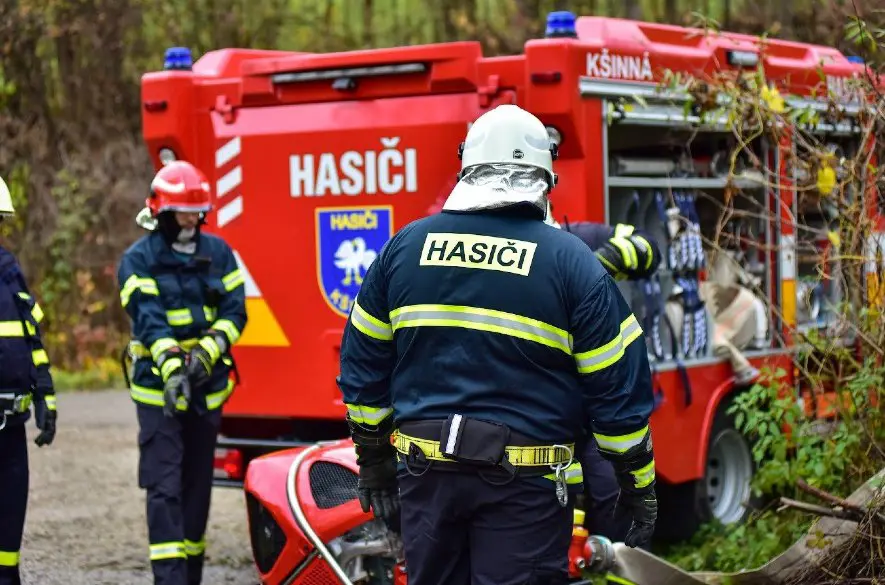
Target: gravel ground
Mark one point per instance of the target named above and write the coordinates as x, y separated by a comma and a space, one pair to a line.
86, 520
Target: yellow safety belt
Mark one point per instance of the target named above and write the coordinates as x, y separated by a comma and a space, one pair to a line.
519, 456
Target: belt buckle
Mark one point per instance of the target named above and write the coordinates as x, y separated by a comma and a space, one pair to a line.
21, 403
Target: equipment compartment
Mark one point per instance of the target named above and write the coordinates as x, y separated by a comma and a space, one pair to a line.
676, 181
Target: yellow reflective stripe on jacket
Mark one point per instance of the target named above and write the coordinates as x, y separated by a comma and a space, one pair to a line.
574, 474
532, 456
15, 329
643, 476
194, 548
39, 357
167, 550
179, 317
368, 415
49, 399
227, 327
620, 443
482, 320
609, 354
9, 558
152, 397
36, 310
233, 279
138, 350
147, 286
369, 325
217, 399
210, 313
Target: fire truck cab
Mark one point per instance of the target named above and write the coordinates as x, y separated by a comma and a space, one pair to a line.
317, 159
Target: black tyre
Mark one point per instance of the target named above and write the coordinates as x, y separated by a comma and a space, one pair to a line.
724, 494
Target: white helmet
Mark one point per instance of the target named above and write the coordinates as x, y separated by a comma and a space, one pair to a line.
6, 207
510, 135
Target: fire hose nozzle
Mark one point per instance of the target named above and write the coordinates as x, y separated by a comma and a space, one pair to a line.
599, 554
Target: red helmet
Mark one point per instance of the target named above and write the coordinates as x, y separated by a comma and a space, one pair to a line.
179, 186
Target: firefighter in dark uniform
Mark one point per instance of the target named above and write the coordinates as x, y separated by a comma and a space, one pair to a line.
25, 379
486, 342
627, 253
184, 293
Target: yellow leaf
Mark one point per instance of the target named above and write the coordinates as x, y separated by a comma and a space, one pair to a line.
826, 179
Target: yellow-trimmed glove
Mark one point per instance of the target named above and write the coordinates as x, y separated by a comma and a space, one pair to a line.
46, 415
203, 357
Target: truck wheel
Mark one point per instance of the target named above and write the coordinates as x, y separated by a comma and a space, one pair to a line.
724, 494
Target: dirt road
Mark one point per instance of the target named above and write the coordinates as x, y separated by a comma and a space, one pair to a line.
86, 523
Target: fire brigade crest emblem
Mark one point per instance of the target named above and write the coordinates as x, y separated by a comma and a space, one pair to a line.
348, 241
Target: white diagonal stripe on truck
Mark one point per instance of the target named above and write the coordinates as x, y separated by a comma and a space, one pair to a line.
252, 290
229, 182
227, 152
230, 211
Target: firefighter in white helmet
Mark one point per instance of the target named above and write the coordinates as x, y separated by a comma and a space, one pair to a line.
25, 379
487, 344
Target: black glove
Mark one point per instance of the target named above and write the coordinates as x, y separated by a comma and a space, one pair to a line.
636, 477
643, 508
46, 418
377, 487
176, 385
612, 259
202, 358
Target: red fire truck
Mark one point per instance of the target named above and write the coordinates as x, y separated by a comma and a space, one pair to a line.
317, 159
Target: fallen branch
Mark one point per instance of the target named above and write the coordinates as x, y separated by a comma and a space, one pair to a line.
837, 501
818, 510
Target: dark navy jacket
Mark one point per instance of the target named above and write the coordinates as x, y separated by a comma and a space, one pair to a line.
499, 318
24, 365
173, 300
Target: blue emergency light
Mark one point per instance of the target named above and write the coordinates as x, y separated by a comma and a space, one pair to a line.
561, 24
854, 59
178, 59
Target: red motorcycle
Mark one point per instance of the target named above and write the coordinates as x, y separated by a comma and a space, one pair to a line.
306, 528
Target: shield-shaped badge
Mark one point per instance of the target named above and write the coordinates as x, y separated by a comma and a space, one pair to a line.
348, 241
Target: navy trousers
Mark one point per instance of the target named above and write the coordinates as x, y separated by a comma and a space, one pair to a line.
175, 468
13, 498
601, 488
458, 529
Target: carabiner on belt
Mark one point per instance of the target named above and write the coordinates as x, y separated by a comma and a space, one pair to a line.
560, 477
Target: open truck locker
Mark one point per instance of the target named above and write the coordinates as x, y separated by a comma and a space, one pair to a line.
317, 159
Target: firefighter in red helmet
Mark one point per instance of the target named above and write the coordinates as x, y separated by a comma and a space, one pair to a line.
184, 294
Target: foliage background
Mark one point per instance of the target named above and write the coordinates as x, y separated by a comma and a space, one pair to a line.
70, 143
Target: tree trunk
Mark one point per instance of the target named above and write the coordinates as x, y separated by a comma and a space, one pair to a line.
670, 11
368, 24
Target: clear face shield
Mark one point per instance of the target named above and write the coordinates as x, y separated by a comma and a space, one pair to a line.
496, 185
